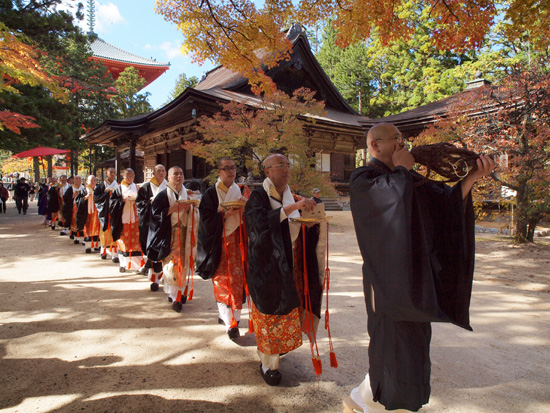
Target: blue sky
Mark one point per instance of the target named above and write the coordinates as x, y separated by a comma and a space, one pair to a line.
135, 27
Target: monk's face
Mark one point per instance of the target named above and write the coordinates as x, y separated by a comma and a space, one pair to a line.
227, 172
111, 174
63, 180
176, 177
129, 176
92, 181
277, 168
77, 181
387, 139
159, 173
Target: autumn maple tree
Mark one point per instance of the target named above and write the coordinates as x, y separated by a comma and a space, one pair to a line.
510, 120
19, 65
250, 131
249, 39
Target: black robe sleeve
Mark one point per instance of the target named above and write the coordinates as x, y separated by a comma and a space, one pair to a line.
160, 228
116, 205
68, 205
53, 200
416, 240
101, 199
270, 276
81, 211
143, 206
210, 234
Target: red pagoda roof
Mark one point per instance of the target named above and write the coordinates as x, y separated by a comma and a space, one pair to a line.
117, 59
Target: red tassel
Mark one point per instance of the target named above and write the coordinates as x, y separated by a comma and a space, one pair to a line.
250, 326
333, 361
142, 263
129, 261
317, 365
190, 295
185, 292
178, 296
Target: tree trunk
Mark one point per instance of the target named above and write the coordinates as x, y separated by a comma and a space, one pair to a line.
522, 217
36, 169
533, 221
50, 166
75, 162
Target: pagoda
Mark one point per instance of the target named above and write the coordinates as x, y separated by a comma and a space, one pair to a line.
117, 59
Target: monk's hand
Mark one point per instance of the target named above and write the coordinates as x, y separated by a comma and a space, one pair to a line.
175, 207
402, 157
306, 203
485, 166
231, 211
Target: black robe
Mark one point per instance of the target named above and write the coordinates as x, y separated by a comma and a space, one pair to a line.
116, 206
417, 243
101, 199
53, 200
68, 210
81, 211
270, 276
210, 235
143, 205
159, 239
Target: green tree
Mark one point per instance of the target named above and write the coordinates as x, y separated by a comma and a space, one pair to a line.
182, 83
348, 70
127, 101
381, 80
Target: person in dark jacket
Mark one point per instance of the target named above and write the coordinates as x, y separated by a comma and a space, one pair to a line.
21, 195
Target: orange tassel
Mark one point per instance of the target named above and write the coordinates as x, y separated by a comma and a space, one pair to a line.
250, 326
317, 365
333, 361
190, 295
185, 292
142, 263
178, 296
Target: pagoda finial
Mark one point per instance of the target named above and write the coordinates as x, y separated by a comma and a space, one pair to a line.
91, 17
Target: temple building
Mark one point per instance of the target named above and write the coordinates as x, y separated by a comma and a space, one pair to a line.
160, 135
117, 59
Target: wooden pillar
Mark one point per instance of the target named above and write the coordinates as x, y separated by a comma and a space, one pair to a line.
118, 163
133, 154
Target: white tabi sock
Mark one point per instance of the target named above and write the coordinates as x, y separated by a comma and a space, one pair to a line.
269, 361
362, 395
123, 261
135, 262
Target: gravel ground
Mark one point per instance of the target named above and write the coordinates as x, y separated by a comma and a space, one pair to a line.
76, 335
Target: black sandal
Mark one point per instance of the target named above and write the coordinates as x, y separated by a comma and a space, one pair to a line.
271, 377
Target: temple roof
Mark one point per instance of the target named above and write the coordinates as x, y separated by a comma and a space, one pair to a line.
102, 49
117, 60
302, 70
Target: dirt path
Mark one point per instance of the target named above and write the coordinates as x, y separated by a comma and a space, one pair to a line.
76, 335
